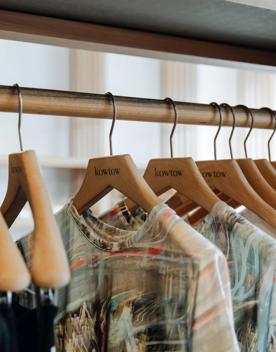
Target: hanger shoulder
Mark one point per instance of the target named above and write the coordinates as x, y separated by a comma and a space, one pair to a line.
114, 172
227, 177
49, 267
182, 175
257, 181
273, 163
268, 171
15, 198
14, 275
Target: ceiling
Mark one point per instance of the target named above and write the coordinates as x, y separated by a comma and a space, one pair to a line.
212, 20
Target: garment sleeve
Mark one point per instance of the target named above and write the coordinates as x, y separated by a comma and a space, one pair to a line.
213, 326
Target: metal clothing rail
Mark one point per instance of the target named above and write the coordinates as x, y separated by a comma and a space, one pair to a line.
62, 103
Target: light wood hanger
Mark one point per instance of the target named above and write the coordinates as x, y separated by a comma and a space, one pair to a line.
251, 171
264, 165
14, 275
198, 214
180, 174
114, 172
227, 177
49, 266
267, 170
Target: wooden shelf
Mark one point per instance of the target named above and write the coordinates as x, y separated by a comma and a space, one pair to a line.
79, 34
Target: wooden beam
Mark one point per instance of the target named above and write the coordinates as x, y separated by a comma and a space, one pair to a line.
75, 34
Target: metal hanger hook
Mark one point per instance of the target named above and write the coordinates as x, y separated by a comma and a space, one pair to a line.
273, 116
114, 116
172, 103
20, 112
250, 129
216, 105
227, 106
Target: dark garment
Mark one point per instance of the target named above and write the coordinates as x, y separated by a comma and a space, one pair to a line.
35, 327
46, 315
36, 331
5, 338
27, 328
8, 324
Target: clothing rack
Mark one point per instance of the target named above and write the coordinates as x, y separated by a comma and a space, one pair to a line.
74, 104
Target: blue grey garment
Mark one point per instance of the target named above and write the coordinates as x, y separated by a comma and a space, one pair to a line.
125, 294
251, 256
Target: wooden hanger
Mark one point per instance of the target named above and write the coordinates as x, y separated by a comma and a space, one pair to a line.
180, 174
49, 266
14, 275
265, 166
252, 173
267, 170
199, 213
227, 177
114, 172
257, 181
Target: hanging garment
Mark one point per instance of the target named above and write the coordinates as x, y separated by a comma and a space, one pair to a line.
257, 221
46, 314
28, 331
251, 256
213, 315
5, 338
27, 328
129, 290
8, 342
121, 217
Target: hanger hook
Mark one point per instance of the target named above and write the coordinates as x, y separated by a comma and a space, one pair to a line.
216, 105
114, 116
273, 116
20, 111
227, 106
250, 129
172, 103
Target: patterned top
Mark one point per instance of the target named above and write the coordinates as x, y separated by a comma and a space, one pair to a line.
251, 256
213, 312
129, 290
256, 220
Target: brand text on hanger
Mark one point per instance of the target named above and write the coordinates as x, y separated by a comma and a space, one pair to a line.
169, 172
106, 171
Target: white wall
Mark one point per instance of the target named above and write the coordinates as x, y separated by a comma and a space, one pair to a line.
139, 77
32, 65
42, 66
